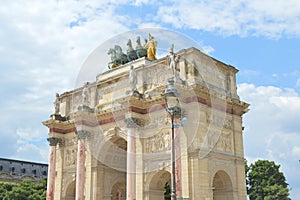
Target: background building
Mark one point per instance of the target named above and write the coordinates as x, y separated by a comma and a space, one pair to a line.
17, 170
110, 139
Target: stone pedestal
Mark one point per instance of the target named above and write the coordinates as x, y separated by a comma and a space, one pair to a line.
53, 141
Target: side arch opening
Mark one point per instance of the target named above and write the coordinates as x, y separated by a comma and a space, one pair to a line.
222, 186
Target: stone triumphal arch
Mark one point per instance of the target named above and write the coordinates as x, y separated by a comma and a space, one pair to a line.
110, 139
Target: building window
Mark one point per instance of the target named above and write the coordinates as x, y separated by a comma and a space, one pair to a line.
13, 170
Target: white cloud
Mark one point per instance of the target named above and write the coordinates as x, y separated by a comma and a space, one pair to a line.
206, 48
298, 83
143, 25
43, 45
272, 129
296, 151
232, 17
31, 152
140, 2
28, 134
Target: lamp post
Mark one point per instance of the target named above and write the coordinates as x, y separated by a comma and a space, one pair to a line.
171, 98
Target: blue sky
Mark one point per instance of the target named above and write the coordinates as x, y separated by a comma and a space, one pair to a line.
44, 44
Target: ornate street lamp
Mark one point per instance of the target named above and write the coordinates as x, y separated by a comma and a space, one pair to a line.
171, 97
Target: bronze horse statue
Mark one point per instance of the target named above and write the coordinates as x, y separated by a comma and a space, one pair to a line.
140, 51
117, 57
131, 53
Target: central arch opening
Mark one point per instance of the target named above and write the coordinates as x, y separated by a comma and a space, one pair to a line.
114, 154
118, 191
116, 159
157, 188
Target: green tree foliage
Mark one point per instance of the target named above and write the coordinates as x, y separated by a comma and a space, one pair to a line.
167, 193
25, 190
266, 182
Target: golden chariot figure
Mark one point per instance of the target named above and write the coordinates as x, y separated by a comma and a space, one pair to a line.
151, 48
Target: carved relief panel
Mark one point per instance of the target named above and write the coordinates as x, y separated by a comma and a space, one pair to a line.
219, 141
158, 142
70, 151
155, 77
70, 157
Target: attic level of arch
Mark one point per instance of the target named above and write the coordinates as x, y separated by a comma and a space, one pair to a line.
111, 95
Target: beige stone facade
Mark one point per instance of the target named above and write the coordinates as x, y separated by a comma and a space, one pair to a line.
126, 135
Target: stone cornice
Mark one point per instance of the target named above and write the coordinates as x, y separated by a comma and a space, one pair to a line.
232, 106
56, 126
197, 51
205, 153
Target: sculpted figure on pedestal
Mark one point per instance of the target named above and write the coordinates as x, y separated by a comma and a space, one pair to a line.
132, 79
173, 60
85, 94
151, 48
56, 104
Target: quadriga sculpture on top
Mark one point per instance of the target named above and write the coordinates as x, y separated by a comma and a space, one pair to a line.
119, 58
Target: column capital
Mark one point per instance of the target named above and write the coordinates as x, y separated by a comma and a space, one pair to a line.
133, 122
53, 141
82, 134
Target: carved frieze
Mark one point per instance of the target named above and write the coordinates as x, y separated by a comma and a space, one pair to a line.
220, 141
158, 142
70, 157
219, 121
225, 142
153, 78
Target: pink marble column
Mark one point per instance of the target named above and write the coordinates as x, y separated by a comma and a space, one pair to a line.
80, 169
132, 124
131, 164
178, 159
53, 141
